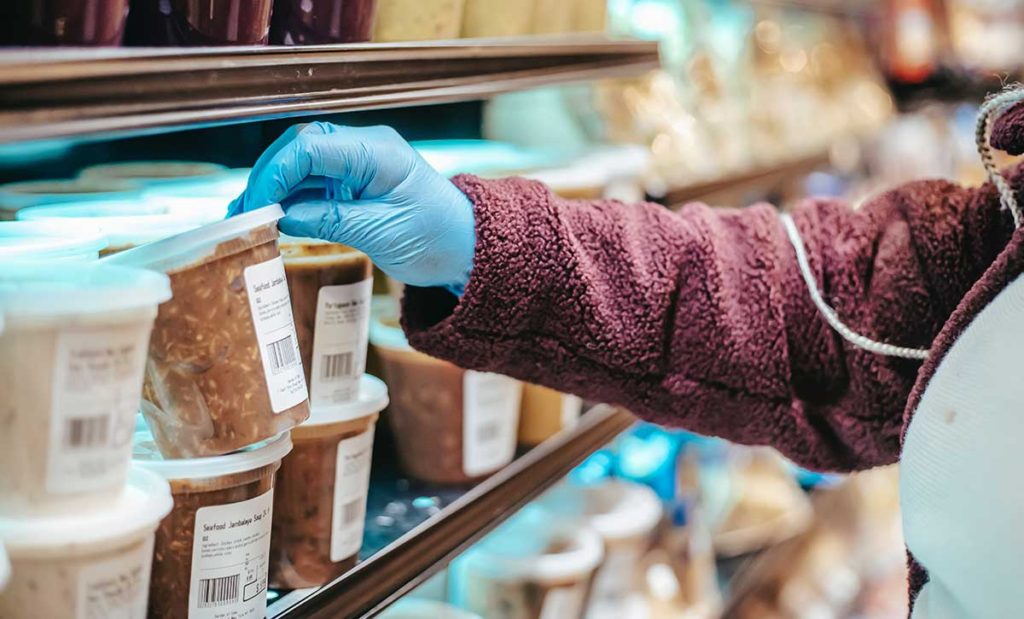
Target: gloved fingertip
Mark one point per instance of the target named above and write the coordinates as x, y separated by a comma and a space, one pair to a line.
236, 206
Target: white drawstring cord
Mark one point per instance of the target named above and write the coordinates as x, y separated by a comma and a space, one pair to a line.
830, 314
995, 106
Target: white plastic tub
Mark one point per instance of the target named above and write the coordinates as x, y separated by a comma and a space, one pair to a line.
224, 366
529, 568
126, 224
86, 563
154, 173
72, 356
626, 516
16, 196
322, 486
213, 549
49, 241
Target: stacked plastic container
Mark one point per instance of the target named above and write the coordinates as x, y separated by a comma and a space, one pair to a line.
77, 520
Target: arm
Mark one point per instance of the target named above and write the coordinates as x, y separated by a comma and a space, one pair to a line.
701, 320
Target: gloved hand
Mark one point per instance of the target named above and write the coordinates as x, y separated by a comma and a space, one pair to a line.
368, 189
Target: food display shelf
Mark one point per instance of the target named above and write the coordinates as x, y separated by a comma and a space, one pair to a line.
396, 559
55, 93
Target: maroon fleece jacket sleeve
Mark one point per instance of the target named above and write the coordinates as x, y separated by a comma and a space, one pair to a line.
700, 319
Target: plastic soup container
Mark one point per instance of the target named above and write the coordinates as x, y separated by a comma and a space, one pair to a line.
418, 20
530, 568
72, 356
154, 173
545, 412
497, 18
415, 608
331, 287
314, 22
125, 224
63, 22
5, 568
552, 16
92, 563
199, 22
213, 550
320, 499
224, 368
451, 425
49, 241
16, 196
625, 515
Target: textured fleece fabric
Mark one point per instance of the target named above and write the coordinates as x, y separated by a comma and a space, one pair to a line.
1008, 130
700, 319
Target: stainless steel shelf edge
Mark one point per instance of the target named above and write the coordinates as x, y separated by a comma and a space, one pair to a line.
51, 94
388, 575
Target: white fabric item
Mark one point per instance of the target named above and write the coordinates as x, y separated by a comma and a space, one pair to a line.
963, 510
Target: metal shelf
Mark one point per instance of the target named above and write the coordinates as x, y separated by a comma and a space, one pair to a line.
754, 177
390, 573
54, 93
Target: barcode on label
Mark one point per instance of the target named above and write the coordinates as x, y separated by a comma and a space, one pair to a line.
489, 431
352, 512
218, 591
282, 354
87, 432
336, 366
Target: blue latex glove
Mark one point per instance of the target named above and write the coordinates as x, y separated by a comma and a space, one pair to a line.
365, 187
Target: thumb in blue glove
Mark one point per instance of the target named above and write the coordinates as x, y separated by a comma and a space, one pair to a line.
365, 187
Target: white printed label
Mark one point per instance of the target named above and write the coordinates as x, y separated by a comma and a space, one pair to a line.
490, 420
572, 406
117, 588
97, 379
339, 343
562, 602
351, 485
275, 331
230, 559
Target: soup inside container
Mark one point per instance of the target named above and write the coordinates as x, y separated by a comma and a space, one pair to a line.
331, 287
320, 498
418, 20
154, 173
16, 196
589, 15
72, 356
49, 241
213, 549
497, 18
125, 224
199, 22
63, 22
552, 16
416, 608
64, 565
314, 22
529, 568
626, 516
224, 367
451, 425
545, 412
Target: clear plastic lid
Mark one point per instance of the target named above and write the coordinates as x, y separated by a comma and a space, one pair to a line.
30, 290
151, 173
15, 196
123, 222
372, 398
227, 184
531, 546
384, 329
146, 454
144, 501
616, 509
38, 240
194, 246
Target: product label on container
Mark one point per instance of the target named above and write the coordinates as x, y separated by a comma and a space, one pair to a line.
563, 602
275, 331
117, 588
572, 406
97, 378
339, 343
351, 485
230, 560
490, 421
